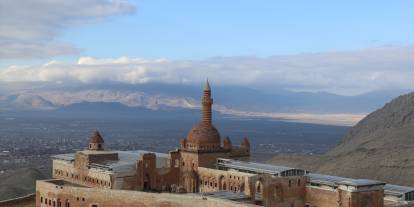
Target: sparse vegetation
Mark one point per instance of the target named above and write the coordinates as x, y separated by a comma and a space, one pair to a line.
25, 204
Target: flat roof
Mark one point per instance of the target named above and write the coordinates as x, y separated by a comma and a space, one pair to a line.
336, 180
255, 167
126, 160
66, 157
227, 195
397, 189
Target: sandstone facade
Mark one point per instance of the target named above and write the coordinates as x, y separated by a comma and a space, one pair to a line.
203, 171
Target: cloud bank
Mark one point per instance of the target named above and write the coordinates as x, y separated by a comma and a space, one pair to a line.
28, 28
347, 72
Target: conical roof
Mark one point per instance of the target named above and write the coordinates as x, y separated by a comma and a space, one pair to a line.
245, 142
96, 138
207, 86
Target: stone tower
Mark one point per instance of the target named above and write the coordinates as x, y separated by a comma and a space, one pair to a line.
203, 146
204, 136
207, 103
96, 142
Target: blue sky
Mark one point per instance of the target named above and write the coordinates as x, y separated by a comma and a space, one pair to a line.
345, 47
187, 29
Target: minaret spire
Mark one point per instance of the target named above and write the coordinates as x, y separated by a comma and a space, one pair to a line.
207, 103
207, 86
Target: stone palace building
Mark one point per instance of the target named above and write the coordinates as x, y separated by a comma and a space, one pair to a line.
205, 170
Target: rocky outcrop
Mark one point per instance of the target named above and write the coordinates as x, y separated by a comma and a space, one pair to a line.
379, 147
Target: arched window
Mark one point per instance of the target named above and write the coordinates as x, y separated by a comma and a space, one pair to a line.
259, 186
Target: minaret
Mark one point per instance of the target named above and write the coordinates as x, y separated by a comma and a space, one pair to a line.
207, 103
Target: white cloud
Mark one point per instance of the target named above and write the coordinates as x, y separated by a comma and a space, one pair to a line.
345, 72
28, 28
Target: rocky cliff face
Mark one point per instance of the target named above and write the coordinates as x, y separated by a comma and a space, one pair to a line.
381, 146
387, 128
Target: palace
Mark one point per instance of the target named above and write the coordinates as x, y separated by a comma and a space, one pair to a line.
203, 171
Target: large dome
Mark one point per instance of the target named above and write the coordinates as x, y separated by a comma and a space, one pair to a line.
203, 134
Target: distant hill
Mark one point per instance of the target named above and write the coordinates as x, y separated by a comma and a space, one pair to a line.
16, 183
108, 110
53, 96
113, 109
379, 147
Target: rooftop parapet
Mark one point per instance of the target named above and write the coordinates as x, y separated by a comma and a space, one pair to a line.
403, 192
258, 168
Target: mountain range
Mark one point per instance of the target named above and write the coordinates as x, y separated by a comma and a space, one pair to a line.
229, 100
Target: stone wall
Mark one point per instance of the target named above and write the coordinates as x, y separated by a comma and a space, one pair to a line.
321, 196
211, 180
279, 191
56, 192
368, 198
161, 179
325, 196
88, 177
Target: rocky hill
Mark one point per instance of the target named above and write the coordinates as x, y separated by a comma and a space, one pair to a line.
16, 183
381, 146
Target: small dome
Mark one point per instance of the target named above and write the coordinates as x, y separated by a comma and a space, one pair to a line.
204, 134
227, 140
96, 138
227, 143
245, 143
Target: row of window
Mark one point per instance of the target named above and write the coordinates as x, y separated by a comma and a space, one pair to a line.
206, 183
195, 147
58, 202
234, 188
409, 196
92, 180
88, 179
235, 177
